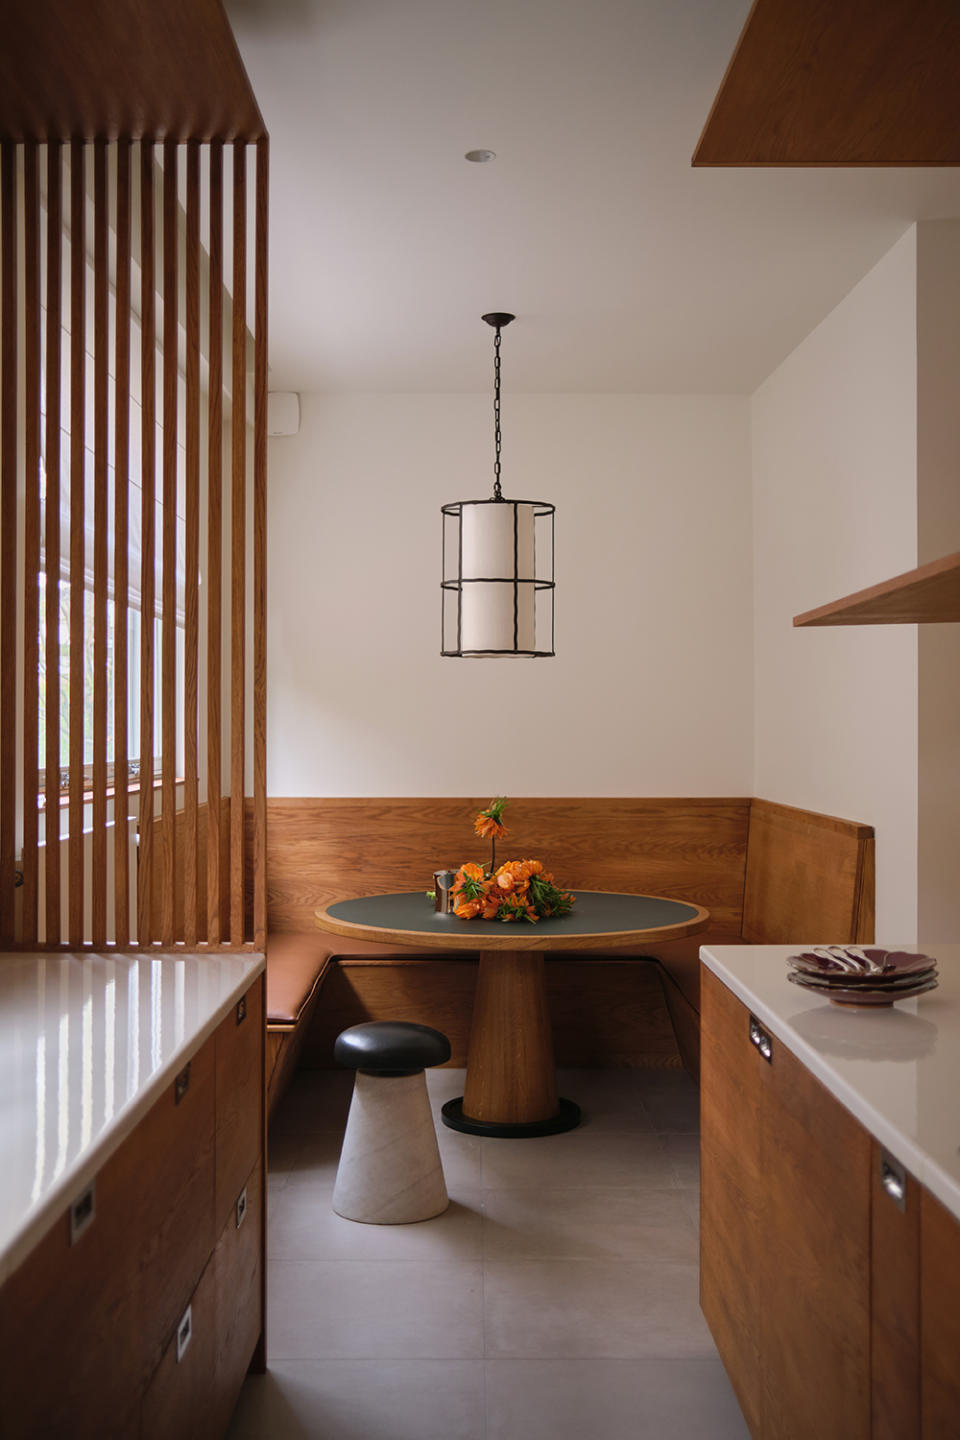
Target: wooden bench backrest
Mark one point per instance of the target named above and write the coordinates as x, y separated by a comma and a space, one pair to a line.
770, 872
321, 849
810, 878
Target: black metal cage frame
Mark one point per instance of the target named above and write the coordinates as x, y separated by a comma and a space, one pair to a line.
543, 512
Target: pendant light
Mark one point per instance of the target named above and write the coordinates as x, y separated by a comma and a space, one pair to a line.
497, 586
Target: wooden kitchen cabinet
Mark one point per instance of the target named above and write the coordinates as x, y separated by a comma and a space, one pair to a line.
939, 1321
785, 1233
895, 1299
165, 1234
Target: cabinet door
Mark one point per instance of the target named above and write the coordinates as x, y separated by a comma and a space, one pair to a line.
178, 1404
815, 1301
68, 1326
894, 1299
734, 1080
239, 1041
239, 1297
939, 1321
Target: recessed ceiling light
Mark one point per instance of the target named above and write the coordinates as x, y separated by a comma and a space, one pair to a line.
480, 157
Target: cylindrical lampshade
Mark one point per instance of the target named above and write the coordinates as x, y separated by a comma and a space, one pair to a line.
496, 571
490, 561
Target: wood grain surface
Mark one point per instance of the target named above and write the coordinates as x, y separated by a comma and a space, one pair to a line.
929, 594
216, 913
320, 850
31, 541
809, 877
123, 68
8, 535
238, 544
511, 1077
602, 1012
77, 523
51, 758
101, 375
894, 1309
168, 632
839, 82
939, 1321
148, 911
121, 580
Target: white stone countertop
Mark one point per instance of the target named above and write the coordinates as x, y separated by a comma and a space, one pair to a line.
87, 1044
896, 1069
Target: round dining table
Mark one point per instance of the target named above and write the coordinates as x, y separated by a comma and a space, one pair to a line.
511, 1083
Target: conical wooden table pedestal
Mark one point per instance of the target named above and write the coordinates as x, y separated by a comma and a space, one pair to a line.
511, 1085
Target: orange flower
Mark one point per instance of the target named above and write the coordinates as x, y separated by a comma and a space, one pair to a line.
467, 909
489, 823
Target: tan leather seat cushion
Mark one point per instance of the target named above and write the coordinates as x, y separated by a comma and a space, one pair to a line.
295, 966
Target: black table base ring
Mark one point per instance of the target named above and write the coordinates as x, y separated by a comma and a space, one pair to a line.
566, 1118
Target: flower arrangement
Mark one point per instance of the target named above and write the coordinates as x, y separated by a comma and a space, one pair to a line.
516, 890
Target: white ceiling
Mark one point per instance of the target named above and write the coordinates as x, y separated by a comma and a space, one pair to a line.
628, 270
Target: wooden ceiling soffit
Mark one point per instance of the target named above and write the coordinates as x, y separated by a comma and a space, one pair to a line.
111, 69
840, 82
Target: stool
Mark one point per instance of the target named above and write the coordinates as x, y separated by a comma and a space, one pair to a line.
390, 1171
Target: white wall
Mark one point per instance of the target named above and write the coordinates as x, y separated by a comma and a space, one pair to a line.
650, 692
938, 507
835, 508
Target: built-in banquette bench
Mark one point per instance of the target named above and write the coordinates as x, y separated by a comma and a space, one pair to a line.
768, 873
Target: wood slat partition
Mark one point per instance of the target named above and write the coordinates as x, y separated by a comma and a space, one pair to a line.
260, 556
214, 542
77, 522
146, 575
168, 664
52, 544
239, 542
31, 595
191, 919
145, 906
121, 582
98, 886
8, 531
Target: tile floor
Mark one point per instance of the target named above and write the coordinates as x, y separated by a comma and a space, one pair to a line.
556, 1299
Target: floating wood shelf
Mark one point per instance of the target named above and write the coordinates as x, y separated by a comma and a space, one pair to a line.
840, 82
928, 594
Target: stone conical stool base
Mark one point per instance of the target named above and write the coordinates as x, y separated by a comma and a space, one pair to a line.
390, 1171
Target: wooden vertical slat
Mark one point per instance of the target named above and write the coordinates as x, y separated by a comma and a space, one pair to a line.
101, 372
52, 546
191, 918
260, 554
8, 534
214, 541
168, 662
145, 917
77, 520
31, 537
121, 540
238, 545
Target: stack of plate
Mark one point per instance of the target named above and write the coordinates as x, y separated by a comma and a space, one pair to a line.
863, 975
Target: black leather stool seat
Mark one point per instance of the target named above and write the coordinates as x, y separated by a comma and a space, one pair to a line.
391, 1047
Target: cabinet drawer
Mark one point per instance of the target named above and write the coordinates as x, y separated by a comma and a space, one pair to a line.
169, 1162
239, 1099
894, 1299
179, 1402
239, 1280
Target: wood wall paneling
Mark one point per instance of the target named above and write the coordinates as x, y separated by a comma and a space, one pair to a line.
121, 524
808, 877
31, 567
52, 931
319, 850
